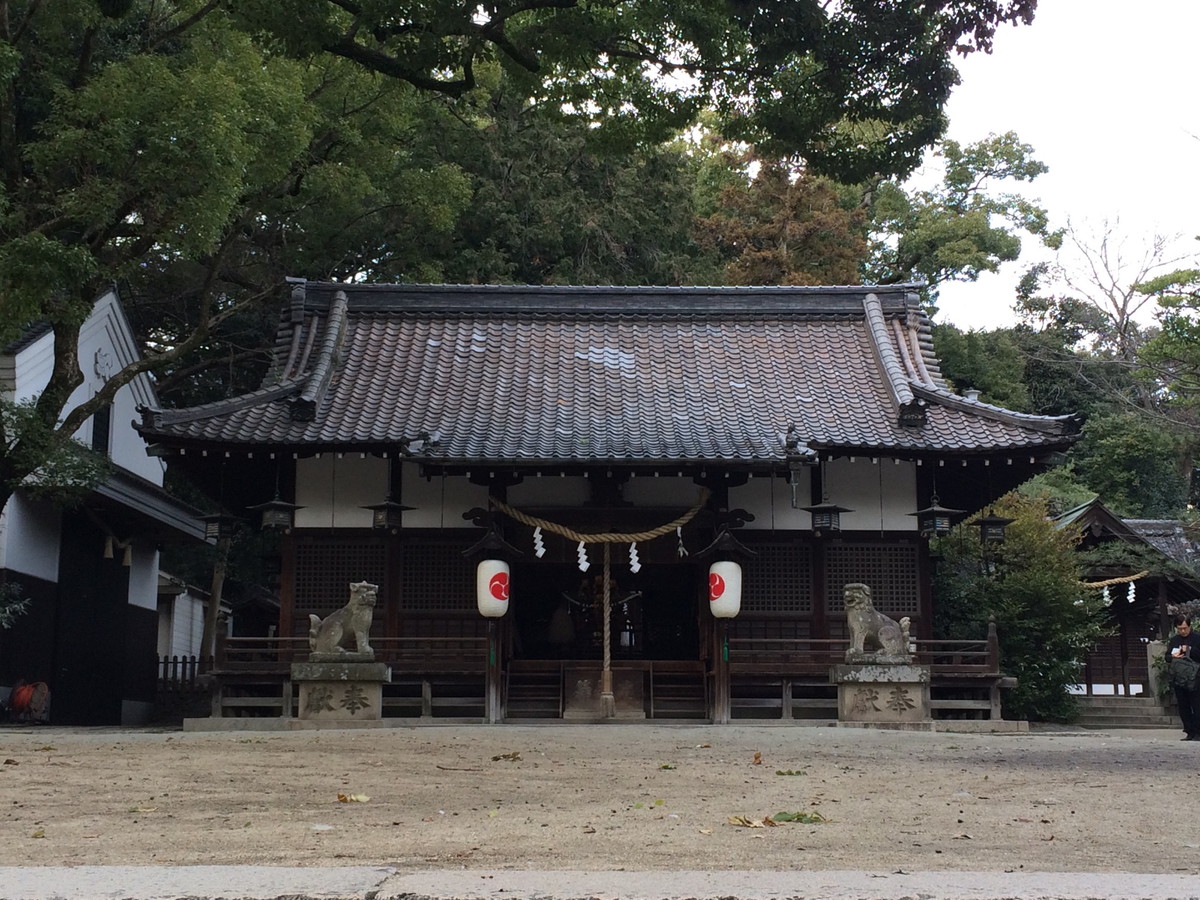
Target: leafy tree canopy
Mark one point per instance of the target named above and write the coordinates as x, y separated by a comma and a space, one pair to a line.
1029, 586
963, 226
193, 148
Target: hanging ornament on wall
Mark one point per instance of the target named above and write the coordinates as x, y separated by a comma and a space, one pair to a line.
635, 564
1131, 592
682, 549
581, 554
492, 587
725, 589
539, 546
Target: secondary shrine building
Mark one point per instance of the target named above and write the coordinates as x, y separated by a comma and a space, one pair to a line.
601, 448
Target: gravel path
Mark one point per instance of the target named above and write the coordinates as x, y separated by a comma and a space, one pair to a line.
616, 797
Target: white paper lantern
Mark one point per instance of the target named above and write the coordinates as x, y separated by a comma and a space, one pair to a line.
724, 589
492, 587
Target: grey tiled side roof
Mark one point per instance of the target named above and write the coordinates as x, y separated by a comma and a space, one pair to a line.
557, 374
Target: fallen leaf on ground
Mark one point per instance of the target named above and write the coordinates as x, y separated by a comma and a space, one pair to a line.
747, 822
11, 762
511, 757
804, 818
706, 831
40, 833
353, 798
757, 758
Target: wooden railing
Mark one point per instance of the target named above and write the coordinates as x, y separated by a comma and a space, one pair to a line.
181, 673
815, 656
415, 653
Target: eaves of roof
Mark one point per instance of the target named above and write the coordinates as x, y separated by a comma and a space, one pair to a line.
643, 375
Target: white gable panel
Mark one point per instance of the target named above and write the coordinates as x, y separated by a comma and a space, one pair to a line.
143, 576
881, 493
30, 537
438, 502
769, 500
334, 491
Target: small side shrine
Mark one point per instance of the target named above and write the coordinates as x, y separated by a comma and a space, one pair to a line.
600, 503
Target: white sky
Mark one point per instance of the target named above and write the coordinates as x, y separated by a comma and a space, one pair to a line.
1106, 92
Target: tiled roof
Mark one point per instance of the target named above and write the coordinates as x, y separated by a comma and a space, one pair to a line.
558, 374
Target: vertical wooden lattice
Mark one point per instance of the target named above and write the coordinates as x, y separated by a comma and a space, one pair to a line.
436, 577
890, 571
778, 580
325, 569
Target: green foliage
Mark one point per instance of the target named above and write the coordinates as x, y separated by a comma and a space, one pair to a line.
962, 227
13, 603
1133, 464
1060, 487
988, 361
42, 461
1029, 586
785, 227
857, 89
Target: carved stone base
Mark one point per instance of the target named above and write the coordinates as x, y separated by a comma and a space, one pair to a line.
884, 695
341, 691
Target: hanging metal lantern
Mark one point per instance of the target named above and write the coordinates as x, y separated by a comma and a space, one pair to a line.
826, 517
277, 515
935, 520
387, 516
991, 528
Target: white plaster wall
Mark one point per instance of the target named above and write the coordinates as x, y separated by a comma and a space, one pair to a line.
551, 490
333, 491
769, 500
181, 623
438, 502
143, 577
651, 491
107, 332
32, 368
880, 493
29, 532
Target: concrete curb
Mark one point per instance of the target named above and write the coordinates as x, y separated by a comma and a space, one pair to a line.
380, 883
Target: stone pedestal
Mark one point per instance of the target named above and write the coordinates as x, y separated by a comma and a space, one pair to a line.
340, 688
887, 695
582, 694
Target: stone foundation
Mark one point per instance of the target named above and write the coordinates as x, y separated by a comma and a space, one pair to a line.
883, 695
341, 691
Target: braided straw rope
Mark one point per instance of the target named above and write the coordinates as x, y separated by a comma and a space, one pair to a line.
1125, 579
605, 537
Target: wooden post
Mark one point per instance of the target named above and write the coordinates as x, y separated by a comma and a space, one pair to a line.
492, 710
608, 702
208, 636
721, 703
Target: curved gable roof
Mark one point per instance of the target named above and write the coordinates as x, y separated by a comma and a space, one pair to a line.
566, 374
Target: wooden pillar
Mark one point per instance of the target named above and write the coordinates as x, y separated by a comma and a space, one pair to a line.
721, 704
493, 713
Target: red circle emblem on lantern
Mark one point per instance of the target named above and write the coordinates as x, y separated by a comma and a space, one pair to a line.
716, 586
499, 586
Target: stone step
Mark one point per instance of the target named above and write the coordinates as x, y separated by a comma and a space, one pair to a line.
1127, 721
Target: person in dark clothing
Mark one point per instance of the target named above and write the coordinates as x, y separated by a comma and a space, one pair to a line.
1186, 645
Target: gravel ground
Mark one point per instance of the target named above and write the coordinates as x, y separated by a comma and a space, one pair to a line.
599, 797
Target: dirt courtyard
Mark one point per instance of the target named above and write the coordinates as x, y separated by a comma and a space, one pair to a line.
627, 796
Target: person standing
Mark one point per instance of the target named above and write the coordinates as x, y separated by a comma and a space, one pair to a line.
1183, 650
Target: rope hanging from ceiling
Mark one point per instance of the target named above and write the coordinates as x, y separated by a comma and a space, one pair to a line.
607, 538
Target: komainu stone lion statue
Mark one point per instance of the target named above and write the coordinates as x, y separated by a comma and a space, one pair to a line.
350, 623
874, 637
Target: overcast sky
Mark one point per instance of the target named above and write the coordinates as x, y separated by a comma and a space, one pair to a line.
1106, 92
